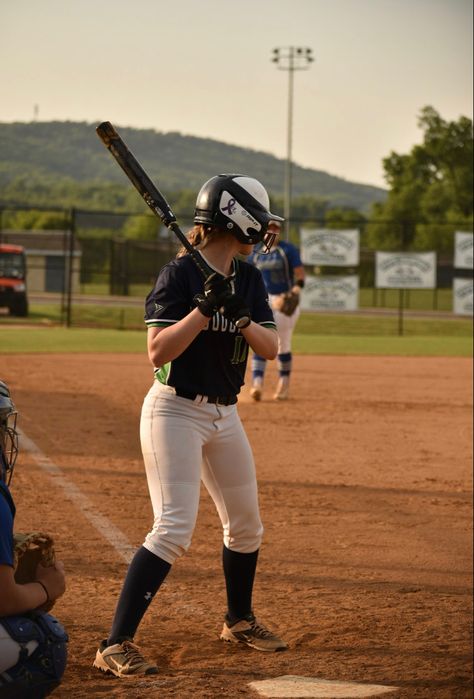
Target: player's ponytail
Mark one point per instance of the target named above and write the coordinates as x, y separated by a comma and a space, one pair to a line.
199, 236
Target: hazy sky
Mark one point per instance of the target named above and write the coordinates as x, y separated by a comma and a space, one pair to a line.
203, 68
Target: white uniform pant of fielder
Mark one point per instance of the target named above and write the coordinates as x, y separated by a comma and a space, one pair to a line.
184, 441
285, 326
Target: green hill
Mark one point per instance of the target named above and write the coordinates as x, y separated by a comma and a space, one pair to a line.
51, 152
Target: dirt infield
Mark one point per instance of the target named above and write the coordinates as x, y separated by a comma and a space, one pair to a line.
365, 492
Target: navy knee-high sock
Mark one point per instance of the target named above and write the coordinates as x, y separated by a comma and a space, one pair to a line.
239, 572
143, 579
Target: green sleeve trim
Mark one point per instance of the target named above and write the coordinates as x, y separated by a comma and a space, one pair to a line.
158, 323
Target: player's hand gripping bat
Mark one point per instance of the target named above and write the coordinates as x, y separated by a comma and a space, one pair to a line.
152, 196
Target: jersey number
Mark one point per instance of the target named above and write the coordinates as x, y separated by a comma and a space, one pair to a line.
241, 350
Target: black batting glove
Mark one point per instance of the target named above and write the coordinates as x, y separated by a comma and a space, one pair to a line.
205, 305
235, 309
217, 288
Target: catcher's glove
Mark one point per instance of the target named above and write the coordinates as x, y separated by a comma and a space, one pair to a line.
286, 303
29, 550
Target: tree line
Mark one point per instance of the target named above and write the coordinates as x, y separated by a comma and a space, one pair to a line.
68, 160
430, 194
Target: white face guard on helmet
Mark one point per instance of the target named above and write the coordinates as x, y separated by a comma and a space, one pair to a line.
8, 434
239, 204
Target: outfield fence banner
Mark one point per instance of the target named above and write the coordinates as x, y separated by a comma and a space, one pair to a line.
405, 270
463, 250
327, 247
463, 297
337, 293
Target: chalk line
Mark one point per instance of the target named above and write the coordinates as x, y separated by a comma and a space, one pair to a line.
115, 537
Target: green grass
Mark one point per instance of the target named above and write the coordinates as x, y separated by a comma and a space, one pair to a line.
126, 317
98, 289
59, 339
410, 346
113, 317
414, 299
100, 328
362, 334
119, 318
363, 325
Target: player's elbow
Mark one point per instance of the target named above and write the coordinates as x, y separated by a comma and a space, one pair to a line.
268, 345
273, 354
274, 345
156, 349
155, 358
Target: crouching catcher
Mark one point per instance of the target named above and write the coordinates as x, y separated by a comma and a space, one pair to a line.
33, 644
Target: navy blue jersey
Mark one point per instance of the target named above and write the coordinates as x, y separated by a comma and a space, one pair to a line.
278, 266
215, 362
7, 514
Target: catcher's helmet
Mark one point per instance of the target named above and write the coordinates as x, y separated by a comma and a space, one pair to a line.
8, 434
238, 204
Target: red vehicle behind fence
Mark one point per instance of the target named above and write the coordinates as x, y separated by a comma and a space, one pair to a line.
13, 292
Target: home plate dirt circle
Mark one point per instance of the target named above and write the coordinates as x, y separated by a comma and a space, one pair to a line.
294, 687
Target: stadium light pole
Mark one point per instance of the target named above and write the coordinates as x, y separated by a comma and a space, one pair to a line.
290, 58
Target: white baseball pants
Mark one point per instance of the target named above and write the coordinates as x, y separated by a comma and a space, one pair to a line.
184, 441
285, 326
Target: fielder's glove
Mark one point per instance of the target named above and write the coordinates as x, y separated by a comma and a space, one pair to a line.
29, 550
287, 303
216, 289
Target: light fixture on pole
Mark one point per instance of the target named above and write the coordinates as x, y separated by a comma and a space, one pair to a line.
290, 58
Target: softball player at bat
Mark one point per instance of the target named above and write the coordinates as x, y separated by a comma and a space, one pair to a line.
282, 272
199, 335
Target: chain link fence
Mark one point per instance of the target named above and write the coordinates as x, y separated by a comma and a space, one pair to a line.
77, 257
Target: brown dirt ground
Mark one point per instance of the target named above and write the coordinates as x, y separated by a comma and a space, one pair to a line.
365, 490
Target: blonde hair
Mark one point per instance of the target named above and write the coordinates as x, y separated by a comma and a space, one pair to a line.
199, 237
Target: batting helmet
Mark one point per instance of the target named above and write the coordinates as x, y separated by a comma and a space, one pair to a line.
8, 434
239, 204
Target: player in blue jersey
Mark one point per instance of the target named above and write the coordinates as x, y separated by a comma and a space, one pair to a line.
199, 334
33, 649
282, 272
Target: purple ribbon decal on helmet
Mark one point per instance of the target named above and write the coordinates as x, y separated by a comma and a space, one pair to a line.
229, 206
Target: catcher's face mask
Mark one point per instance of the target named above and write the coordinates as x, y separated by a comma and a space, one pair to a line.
8, 435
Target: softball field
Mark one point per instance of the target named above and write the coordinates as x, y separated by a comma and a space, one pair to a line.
365, 492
